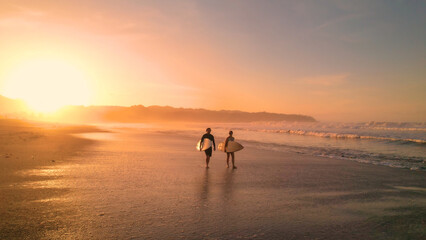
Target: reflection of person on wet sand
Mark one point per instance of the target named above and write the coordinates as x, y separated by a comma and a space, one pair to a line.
205, 186
228, 187
201, 210
228, 139
208, 151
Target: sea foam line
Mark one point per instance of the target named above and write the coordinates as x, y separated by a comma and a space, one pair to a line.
344, 136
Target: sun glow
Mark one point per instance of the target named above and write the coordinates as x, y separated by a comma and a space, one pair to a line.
47, 85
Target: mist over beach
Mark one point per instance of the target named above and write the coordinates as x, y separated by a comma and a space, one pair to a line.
212, 120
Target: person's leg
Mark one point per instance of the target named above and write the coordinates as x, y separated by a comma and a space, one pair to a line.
208, 155
207, 161
233, 160
227, 159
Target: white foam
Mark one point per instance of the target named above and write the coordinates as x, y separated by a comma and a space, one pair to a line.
342, 135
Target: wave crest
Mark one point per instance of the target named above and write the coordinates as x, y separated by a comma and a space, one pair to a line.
345, 136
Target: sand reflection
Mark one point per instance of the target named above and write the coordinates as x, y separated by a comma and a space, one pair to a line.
228, 187
204, 194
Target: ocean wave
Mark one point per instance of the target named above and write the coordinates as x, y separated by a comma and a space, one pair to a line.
344, 136
347, 125
397, 129
406, 162
404, 126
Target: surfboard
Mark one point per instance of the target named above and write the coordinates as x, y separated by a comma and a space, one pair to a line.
207, 143
232, 147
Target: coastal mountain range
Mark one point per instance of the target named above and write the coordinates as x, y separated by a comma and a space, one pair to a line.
142, 114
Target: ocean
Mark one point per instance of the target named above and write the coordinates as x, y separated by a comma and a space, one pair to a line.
401, 145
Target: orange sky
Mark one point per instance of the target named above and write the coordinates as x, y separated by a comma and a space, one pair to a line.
334, 61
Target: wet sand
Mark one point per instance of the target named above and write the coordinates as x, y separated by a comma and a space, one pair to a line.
26, 150
153, 185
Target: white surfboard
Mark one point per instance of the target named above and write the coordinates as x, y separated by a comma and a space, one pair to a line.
232, 147
207, 143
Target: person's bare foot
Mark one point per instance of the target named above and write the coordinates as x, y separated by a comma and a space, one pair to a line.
234, 167
227, 166
207, 167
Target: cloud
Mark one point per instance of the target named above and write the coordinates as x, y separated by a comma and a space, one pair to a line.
31, 12
15, 16
326, 80
338, 20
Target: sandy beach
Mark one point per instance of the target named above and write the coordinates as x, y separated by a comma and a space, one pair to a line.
75, 183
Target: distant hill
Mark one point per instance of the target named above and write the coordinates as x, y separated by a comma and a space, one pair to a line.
141, 114
12, 108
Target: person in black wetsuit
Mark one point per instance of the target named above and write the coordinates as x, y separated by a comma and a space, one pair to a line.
208, 151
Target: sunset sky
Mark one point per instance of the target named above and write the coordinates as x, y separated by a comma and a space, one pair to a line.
333, 60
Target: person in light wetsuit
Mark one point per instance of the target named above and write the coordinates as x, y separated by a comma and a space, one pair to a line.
208, 151
230, 138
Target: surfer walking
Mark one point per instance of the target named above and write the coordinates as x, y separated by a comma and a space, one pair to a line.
208, 151
228, 154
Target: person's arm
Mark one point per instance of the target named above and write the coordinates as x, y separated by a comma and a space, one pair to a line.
226, 143
214, 145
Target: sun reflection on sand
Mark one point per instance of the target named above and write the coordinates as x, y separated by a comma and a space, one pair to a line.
104, 136
43, 184
54, 199
46, 171
45, 178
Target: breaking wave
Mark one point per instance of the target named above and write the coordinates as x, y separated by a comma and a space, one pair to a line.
397, 161
345, 136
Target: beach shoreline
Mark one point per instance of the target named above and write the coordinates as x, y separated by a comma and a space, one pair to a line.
152, 184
